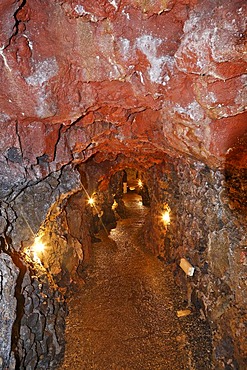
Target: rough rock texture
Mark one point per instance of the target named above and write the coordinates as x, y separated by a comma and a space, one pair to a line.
32, 306
26, 207
32, 315
208, 229
127, 83
8, 277
41, 337
159, 72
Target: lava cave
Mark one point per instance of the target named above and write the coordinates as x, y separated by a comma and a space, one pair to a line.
123, 185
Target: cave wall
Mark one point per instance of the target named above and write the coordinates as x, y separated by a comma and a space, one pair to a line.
33, 308
208, 228
153, 81
34, 290
40, 335
33, 313
213, 238
8, 277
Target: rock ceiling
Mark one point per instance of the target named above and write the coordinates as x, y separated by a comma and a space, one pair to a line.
138, 77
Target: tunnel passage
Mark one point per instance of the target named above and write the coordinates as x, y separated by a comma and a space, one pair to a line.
125, 316
156, 86
200, 229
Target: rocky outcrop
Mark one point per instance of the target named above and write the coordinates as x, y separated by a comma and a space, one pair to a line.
209, 230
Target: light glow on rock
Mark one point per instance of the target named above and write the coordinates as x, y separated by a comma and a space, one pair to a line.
91, 201
140, 183
166, 215
36, 250
38, 246
166, 218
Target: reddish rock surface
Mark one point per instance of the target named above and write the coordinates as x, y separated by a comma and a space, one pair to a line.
167, 74
89, 88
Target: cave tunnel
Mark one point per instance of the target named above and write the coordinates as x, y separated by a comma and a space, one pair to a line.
123, 182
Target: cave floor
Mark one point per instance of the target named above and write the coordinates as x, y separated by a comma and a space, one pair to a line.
124, 317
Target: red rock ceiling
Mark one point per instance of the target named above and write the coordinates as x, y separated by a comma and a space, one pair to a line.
122, 76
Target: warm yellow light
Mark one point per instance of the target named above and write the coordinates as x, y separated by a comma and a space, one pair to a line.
114, 206
166, 217
91, 201
38, 247
36, 250
140, 184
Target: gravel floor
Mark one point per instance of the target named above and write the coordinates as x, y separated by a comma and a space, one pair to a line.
124, 318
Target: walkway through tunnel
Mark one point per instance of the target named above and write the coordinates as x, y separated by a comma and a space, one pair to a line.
109, 276
103, 104
128, 312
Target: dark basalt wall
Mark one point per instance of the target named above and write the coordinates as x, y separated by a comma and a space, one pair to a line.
32, 306
208, 228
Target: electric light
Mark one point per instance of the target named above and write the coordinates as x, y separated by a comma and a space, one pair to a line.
114, 206
166, 217
37, 247
91, 201
140, 184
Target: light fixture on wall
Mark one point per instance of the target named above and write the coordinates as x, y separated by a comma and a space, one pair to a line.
166, 215
166, 218
36, 250
38, 246
91, 201
115, 205
140, 183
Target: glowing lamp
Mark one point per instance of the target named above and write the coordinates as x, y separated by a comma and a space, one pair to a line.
166, 217
36, 250
38, 247
114, 206
91, 201
140, 184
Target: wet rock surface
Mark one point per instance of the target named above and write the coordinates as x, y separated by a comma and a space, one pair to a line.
125, 315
